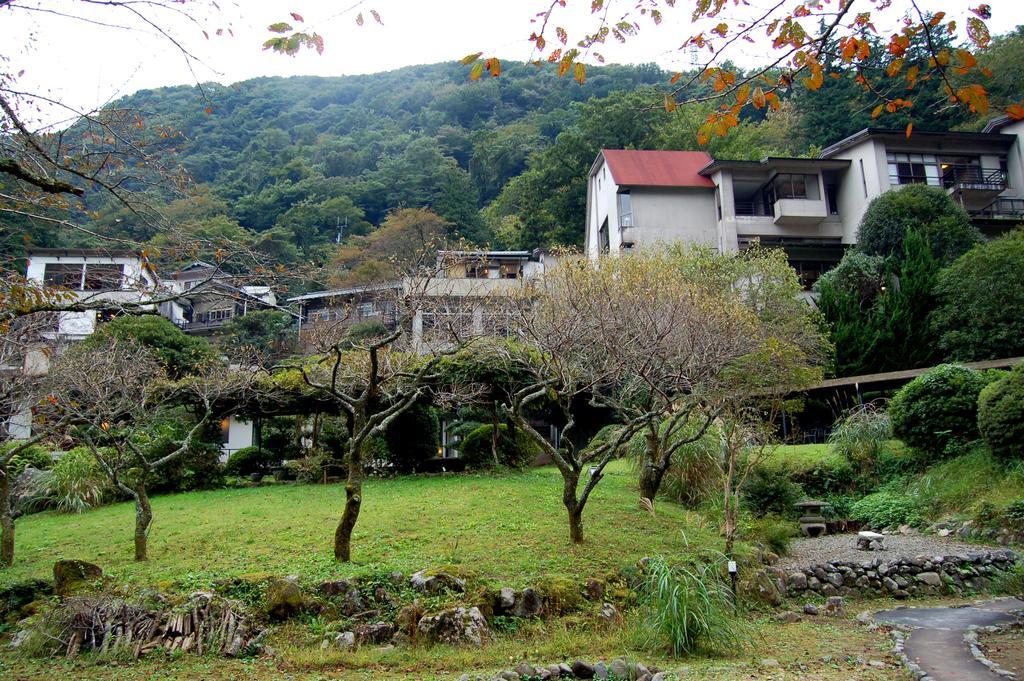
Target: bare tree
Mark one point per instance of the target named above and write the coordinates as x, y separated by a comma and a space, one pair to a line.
109, 396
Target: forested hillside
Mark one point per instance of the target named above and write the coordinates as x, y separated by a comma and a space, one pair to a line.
293, 165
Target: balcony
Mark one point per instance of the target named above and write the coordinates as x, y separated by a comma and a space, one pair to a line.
1001, 209
799, 212
628, 236
974, 181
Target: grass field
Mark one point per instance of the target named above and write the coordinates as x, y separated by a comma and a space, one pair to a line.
509, 527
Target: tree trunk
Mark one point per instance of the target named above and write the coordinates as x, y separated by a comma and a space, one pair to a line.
494, 432
573, 506
650, 480
6, 521
143, 519
353, 500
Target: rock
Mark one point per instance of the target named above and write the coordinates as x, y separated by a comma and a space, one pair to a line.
582, 670
642, 670
660, 676
835, 579
352, 602
555, 670
71, 575
828, 590
810, 609
528, 604
905, 529
835, 607
601, 671
506, 599
457, 626
508, 675
864, 617
944, 532
285, 598
609, 614
565, 669
436, 583
335, 587
797, 581
788, 617
377, 632
619, 668
929, 578
770, 662
594, 589
526, 670
407, 618
19, 638
345, 640
24, 489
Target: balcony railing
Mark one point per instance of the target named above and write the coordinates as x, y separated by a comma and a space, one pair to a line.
1002, 209
750, 209
973, 177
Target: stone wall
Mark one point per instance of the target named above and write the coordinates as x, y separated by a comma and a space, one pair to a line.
895, 577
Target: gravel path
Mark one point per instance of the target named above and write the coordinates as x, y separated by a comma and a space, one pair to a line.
843, 547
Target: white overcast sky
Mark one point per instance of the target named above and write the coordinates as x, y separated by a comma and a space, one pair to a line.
87, 65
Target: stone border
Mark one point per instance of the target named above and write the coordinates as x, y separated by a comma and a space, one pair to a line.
898, 650
971, 639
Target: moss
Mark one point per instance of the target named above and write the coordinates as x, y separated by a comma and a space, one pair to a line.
560, 594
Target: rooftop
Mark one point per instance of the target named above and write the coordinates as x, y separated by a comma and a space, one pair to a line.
635, 168
771, 162
917, 135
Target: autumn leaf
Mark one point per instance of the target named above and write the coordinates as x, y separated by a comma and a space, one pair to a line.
279, 27
910, 129
670, 103
476, 71
759, 100
297, 17
470, 58
1015, 111
580, 72
359, 19
494, 66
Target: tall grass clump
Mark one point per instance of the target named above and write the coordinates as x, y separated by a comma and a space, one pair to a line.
74, 484
689, 609
862, 435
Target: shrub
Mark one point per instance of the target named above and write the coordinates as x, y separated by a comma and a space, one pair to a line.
937, 409
862, 435
980, 312
887, 508
413, 438
376, 456
1001, 415
818, 469
927, 210
770, 491
775, 534
689, 609
179, 352
515, 452
73, 484
249, 460
35, 456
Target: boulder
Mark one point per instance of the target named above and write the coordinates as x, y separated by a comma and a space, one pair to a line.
436, 583
583, 670
345, 640
506, 599
601, 671
408, 618
810, 609
352, 602
458, 626
335, 587
72, 575
594, 589
528, 604
526, 670
609, 614
374, 633
285, 599
929, 578
835, 607
797, 581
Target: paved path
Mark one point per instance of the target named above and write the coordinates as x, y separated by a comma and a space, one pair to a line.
937, 642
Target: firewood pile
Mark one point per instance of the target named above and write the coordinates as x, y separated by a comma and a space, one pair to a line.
205, 624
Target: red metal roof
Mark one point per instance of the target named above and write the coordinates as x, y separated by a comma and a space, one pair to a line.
657, 168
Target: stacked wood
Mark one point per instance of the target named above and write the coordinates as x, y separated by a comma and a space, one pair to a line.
206, 623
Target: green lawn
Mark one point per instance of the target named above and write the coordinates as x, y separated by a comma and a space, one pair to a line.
508, 527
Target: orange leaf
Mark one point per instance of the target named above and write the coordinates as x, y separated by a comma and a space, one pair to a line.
670, 103
476, 71
580, 72
910, 129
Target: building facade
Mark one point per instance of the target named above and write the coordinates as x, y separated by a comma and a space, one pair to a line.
810, 207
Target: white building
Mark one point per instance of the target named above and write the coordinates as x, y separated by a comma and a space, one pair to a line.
811, 207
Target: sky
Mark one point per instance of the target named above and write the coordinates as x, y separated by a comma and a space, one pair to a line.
86, 64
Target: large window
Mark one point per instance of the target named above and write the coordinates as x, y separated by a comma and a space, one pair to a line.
914, 169
796, 186
103, 277
65, 276
625, 210
603, 238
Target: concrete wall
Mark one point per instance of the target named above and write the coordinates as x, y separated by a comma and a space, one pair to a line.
663, 216
241, 434
866, 178
602, 204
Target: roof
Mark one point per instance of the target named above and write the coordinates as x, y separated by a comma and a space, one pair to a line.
83, 253
635, 168
775, 162
868, 133
339, 292
893, 378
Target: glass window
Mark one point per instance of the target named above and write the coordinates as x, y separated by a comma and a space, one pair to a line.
913, 169
65, 276
796, 186
103, 277
625, 210
603, 238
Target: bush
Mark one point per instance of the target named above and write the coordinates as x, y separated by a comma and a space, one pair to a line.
1001, 415
980, 311
818, 469
689, 609
775, 534
73, 484
249, 460
35, 456
937, 409
515, 452
413, 437
770, 491
927, 210
887, 508
377, 457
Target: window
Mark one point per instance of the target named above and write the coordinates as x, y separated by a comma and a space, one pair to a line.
366, 310
832, 199
913, 169
863, 177
65, 276
796, 186
602, 237
103, 277
625, 210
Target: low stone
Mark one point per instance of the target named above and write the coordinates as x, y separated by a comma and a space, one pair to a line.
601, 671
526, 670
436, 583
877, 664
770, 662
335, 587
945, 532
594, 589
788, 617
609, 614
508, 675
929, 578
642, 670
810, 609
828, 590
346, 640
72, 575
352, 602
619, 668
407, 618
555, 670
377, 632
797, 581
285, 598
835, 607
582, 670
835, 579
457, 626
660, 676
528, 604
565, 669
900, 594
506, 599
